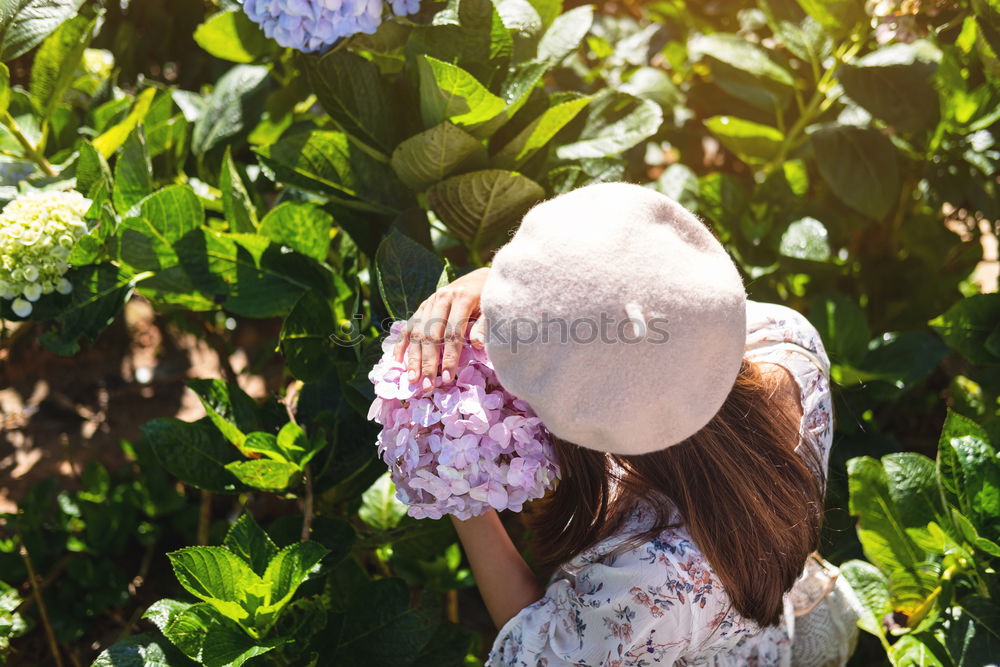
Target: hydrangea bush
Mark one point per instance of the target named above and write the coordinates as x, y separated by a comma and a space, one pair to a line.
37, 234
459, 449
315, 25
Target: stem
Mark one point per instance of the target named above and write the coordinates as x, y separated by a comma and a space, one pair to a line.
204, 517
29, 150
451, 601
307, 506
37, 593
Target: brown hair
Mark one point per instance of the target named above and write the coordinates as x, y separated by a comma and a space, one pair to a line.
750, 502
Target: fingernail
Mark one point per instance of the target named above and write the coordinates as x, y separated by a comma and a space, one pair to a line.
426, 384
412, 376
445, 377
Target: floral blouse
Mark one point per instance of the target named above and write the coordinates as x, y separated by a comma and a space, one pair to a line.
660, 603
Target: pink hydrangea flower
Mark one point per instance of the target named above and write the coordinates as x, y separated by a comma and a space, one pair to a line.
463, 448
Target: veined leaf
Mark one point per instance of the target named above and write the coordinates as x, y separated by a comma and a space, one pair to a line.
232, 411
860, 166
407, 273
142, 650
25, 23
307, 336
232, 36
541, 130
565, 34
113, 138
234, 105
752, 142
880, 529
218, 577
479, 206
288, 570
449, 93
616, 121
265, 474
872, 589
426, 158
301, 226
189, 628
133, 173
380, 508
192, 452
969, 326
56, 62
248, 540
236, 202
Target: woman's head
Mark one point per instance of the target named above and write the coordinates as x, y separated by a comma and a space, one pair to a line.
614, 299
750, 502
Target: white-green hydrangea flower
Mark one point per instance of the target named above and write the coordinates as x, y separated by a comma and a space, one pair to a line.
37, 234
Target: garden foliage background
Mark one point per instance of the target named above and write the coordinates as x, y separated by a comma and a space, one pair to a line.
844, 152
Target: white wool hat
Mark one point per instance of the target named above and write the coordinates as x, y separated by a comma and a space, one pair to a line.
617, 316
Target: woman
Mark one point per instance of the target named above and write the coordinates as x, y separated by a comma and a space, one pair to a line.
692, 431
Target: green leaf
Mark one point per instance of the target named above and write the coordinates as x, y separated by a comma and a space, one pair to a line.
295, 444
808, 41
353, 91
914, 592
248, 540
752, 142
860, 166
744, 69
519, 16
380, 508
655, 84
232, 411
380, 628
969, 471
806, 238
842, 326
4, 88
539, 132
236, 203
329, 163
163, 611
872, 590
974, 637
265, 474
133, 173
880, 529
479, 206
260, 442
234, 105
474, 36
565, 34
99, 294
226, 645
894, 83
218, 577
172, 212
615, 122
301, 226
426, 158
193, 453
407, 273
113, 138
447, 92
837, 16
25, 23
189, 629
913, 487
56, 62
247, 273
918, 650
289, 569
307, 337
91, 168
968, 325
232, 36
142, 650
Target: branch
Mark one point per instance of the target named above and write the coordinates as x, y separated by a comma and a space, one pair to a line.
42, 611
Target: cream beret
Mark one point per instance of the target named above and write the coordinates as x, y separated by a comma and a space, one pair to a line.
617, 316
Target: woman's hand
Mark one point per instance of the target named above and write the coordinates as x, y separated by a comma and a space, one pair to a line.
443, 319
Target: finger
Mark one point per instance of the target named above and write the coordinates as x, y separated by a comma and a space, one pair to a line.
454, 338
477, 336
413, 341
431, 342
399, 349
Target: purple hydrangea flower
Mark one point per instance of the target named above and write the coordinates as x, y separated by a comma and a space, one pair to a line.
315, 25
460, 449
